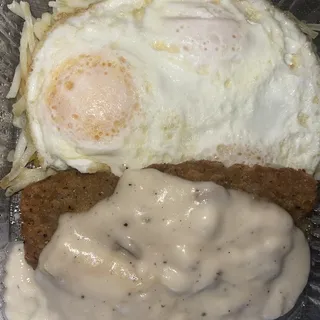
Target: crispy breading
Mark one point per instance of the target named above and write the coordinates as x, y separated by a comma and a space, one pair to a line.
43, 202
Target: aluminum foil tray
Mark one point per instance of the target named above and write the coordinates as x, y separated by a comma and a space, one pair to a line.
308, 305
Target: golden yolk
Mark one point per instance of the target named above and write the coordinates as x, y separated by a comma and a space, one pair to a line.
90, 98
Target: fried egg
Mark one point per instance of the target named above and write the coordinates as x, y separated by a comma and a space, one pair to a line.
130, 83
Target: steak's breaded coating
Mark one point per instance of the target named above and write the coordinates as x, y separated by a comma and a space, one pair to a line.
293, 190
43, 202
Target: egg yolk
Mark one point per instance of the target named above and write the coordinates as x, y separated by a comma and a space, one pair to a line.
91, 98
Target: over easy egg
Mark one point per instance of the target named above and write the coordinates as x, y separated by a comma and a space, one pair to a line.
130, 83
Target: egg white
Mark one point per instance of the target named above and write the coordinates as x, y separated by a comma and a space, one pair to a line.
234, 81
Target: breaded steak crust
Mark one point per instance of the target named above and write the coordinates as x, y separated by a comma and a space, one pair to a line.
43, 202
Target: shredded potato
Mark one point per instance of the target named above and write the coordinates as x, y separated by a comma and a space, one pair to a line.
16, 9
29, 23
33, 30
20, 122
15, 84
23, 52
10, 156
20, 147
19, 107
41, 26
24, 151
26, 177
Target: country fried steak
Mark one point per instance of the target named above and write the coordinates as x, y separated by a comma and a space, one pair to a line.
43, 202
70, 191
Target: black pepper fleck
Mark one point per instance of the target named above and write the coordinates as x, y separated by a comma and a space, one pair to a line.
125, 224
82, 296
203, 314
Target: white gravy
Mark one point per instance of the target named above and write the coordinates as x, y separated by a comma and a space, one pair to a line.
162, 248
